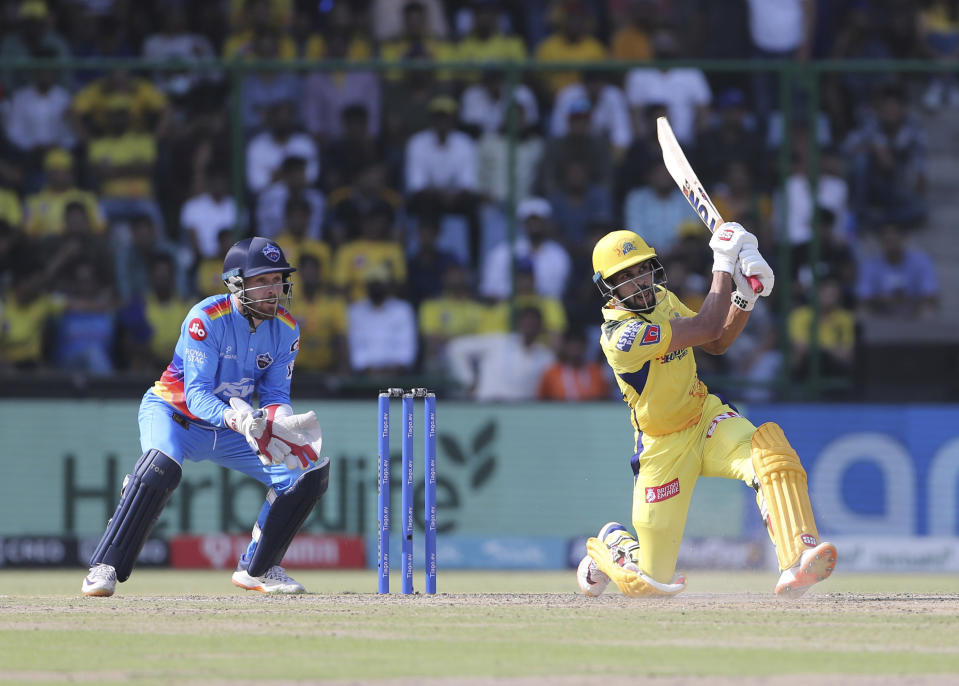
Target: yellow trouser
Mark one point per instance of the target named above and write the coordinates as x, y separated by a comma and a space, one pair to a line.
669, 468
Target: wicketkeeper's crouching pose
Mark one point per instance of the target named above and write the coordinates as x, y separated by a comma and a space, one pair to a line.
684, 432
230, 346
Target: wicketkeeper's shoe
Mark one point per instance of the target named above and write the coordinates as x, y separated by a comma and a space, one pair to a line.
624, 550
100, 581
275, 580
815, 565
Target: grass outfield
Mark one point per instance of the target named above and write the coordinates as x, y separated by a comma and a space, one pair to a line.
172, 627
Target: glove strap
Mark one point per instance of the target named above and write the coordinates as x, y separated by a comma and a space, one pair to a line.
742, 302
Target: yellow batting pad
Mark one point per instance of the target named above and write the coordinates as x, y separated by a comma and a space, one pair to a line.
782, 481
632, 584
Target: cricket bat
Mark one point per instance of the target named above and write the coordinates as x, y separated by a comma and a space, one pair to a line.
684, 176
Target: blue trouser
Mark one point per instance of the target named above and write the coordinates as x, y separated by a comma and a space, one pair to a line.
181, 439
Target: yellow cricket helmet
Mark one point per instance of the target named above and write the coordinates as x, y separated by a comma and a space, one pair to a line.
615, 252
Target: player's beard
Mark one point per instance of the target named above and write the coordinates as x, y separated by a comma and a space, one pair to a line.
265, 309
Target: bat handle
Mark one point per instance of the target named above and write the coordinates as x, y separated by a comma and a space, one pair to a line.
755, 283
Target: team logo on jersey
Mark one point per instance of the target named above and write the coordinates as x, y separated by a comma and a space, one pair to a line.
264, 360
295, 345
655, 494
651, 336
271, 252
196, 329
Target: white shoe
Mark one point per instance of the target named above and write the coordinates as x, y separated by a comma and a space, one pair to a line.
275, 580
100, 581
625, 551
815, 565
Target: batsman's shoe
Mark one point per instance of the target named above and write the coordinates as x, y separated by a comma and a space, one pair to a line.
592, 581
100, 581
815, 565
275, 580
624, 550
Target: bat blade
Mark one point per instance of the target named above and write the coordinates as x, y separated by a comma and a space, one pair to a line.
684, 176
682, 172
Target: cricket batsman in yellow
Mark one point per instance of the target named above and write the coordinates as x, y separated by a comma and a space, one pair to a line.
682, 430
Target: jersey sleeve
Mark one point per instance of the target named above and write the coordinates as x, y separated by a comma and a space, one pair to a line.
199, 349
274, 386
632, 343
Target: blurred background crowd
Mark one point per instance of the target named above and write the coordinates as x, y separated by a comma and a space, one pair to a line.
442, 216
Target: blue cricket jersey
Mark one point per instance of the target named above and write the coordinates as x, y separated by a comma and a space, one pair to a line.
217, 358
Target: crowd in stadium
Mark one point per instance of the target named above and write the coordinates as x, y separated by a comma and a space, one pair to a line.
392, 190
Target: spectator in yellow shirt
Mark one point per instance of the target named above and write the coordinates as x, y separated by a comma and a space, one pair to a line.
295, 241
552, 312
209, 270
46, 209
415, 43
631, 41
374, 250
261, 19
148, 106
124, 160
455, 312
322, 317
836, 335
151, 324
573, 43
486, 43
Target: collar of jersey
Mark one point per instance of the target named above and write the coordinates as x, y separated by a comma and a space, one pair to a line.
610, 313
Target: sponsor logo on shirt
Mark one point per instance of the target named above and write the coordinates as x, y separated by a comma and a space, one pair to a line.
196, 330
295, 345
242, 388
718, 418
195, 356
289, 371
264, 360
675, 355
655, 494
628, 335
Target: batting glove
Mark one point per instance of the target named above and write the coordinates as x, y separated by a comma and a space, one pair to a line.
727, 242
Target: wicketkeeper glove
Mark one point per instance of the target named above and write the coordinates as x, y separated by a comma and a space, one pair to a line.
727, 242
277, 435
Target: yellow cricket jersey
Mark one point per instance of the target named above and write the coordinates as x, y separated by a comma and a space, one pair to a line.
662, 390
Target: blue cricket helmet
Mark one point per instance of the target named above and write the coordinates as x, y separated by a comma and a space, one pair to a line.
252, 257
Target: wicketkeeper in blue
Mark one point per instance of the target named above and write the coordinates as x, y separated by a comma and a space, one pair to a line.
230, 347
